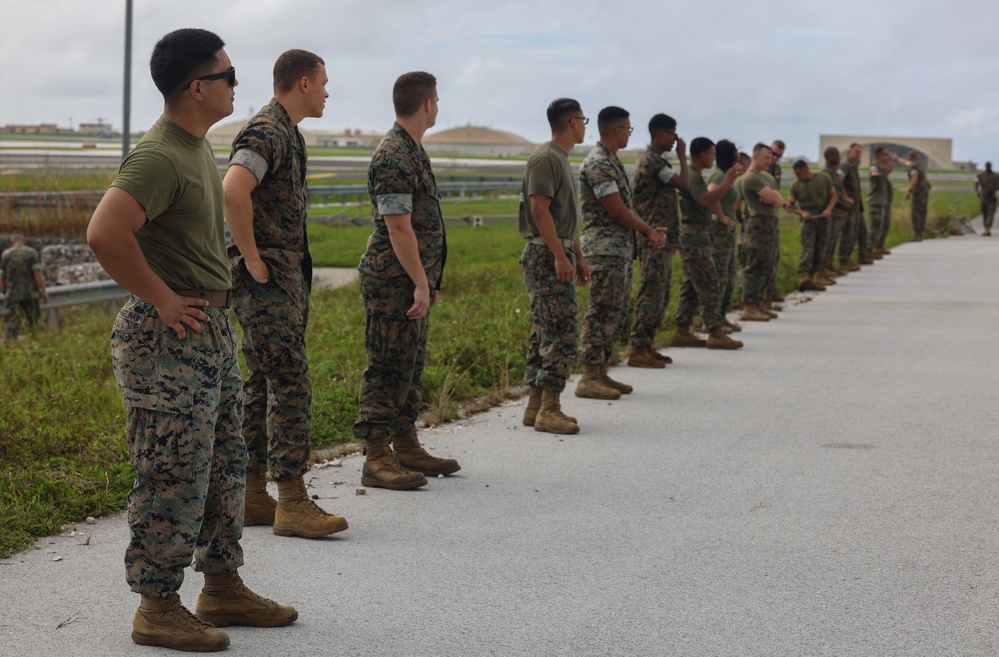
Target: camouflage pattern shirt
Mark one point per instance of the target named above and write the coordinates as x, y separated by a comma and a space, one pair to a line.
877, 197
600, 175
401, 181
851, 184
923, 183
655, 199
273, 150
988, 183
776, 171
19, 264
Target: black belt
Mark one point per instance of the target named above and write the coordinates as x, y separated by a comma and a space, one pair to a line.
215, 298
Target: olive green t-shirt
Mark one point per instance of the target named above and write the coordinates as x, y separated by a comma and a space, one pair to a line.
751, 184
173, 176
812, 195
731, 196
694, 214
548, 174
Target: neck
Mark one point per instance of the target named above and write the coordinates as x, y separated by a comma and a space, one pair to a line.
196, 124
295, 112
612, 147
758, 168
564, 140
697, 165
414, 126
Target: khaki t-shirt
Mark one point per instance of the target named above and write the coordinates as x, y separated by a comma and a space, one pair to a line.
812, 195
751, 184
173, 176
694, 214
731, 195
548, 173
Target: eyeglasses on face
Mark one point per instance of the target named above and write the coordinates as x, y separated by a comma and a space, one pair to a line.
229, 73
624, 127
585, 120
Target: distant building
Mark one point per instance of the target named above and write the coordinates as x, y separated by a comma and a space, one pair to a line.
476, 140
223, 135
34, 129
100, 129
933, 152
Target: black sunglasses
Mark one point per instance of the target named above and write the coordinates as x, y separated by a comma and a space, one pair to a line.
229, 73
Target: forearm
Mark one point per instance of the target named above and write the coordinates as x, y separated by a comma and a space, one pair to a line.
546, 226
122, 259
239, 218
40, 281
629, 219
407, 250
833, 197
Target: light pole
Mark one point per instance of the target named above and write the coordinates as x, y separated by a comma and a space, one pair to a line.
127, 109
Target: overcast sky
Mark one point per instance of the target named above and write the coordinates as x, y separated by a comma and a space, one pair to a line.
748, 70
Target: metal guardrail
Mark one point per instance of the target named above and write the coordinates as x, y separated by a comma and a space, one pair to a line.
64, 296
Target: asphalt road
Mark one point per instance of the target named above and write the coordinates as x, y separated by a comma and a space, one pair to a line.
830, 489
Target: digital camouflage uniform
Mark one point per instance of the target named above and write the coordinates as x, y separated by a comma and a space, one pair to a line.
759, 230
400, 181
554, 312
700, 287
776, 172
184, 397
812, 196
18, 265
656, 203
877, 202
988, 185
854, 232
609, 249
886, 226
837, 221
723, 239
920, 197
277, 420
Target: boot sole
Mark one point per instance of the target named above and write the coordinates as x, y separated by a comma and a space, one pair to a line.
658, 365
226, 620
724, 346
546, 429
143, 640
433, 473
374, 483
291, 530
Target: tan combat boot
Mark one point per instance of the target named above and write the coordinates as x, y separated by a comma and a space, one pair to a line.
381, 470
917, 237
298, 515
684, 338
533, 404
866, 260
643, 357
592, 386
733, 326
718, 339
822, 277
409, 453
623, 388
849, 265
225, 600
551, 419
663, 357
259, 508
777, 298
166, 623
804, 283
753, 313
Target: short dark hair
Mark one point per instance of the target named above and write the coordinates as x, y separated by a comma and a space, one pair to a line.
411, 90
609, 117
800, 164
832, 150
661, 122
854, 144
700, 145
726, 154
181, 56
745, 157
292, 66
759, 147
879, 150
560, 111
779, 144
913, 155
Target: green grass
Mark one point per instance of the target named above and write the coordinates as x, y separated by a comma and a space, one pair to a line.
62, 450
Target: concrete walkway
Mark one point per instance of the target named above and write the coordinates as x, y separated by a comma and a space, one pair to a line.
831, 489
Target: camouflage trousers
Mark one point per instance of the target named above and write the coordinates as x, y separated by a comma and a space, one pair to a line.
723, 239
836, 224
877, 232
920, 207
554, 319
988, 207
607, 314
20, 312
185, 405
854, 235
655, 281
774, 248
814, 235
759, 234
277, 417
700, 279
391, 391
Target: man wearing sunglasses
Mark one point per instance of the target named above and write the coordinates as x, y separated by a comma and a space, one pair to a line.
608, 239
266, 202
159, 232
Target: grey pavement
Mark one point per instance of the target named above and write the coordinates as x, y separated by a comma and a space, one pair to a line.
830, 489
